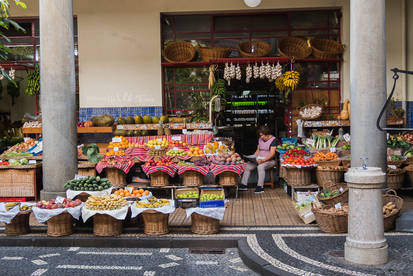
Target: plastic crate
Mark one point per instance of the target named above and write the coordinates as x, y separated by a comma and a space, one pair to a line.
212, 203
289, 140
186, 202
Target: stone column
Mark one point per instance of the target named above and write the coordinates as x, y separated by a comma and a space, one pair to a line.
367, 81
58, 95
365, 243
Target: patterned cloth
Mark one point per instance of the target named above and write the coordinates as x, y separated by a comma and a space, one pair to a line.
167, 169
217, 169
123, 163
201, 169
190, 139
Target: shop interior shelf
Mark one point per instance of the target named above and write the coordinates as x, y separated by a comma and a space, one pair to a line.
194, 126
38, 130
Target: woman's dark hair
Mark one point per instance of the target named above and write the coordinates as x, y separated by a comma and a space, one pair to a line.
264, 130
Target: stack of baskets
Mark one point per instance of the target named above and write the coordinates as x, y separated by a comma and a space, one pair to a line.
341, 195
330, 220
390, 219
395, 178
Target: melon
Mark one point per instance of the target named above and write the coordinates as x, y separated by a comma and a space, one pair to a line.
121, 121
164, 119
136, 132
155, 120
138, 119
147, 119
130, 120
144, 133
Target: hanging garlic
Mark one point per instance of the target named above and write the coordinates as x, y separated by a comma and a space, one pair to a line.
238, 74
268, 71
248, 73
278, 70
262, 71
273, 73
227, 76
232, 71
256, 71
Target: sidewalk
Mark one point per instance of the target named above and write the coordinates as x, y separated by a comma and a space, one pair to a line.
281, 250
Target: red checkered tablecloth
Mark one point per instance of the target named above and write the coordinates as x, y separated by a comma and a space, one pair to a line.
190, 139
201, 169
151, 169
217, 169
122, 164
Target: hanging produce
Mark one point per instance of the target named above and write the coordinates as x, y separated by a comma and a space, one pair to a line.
256, 71
278, 70
211, 78
248, 74
13, 89
227, 76
33, 82
268, 71
232, 71
262, 71
291, 79
279, 84
238, 74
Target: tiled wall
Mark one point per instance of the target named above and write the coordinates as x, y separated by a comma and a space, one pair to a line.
409, 114
116, 112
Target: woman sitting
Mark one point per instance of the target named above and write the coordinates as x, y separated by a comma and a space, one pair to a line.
266, 153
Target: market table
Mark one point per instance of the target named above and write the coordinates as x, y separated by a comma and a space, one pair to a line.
228, 174
159, 174
85, 168
19, 181
116, 168
193, 175
190, 139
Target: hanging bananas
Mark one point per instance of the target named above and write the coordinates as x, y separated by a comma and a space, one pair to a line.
279, 83
33, 82
291, 79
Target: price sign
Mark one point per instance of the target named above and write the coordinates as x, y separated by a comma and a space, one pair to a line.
116, 139
333, 150
341, 189
184, 131
308, 214
159, 140
79, 176
115, 149
347, 137
176, 138
310, 142
120, 127
337, 206
175, 148
157, 147
392, 167
32, 162
26, 139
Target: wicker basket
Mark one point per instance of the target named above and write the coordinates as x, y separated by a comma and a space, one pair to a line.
391, 196
228, 179
83, 196
409, 174
192, 178
346, 163
331, 163
155, 223
254, 48
397, 163
19, 225
106, 226
159, 179
395, 179
409, 161
324, 176
299, 176
208, 53
326, 48
203, 225
331, 223
60, 225
179, 51
342, 197
116, 176
293, 47
301, 109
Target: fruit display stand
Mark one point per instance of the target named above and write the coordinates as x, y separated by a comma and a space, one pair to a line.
205, 221
192, 176
159, 174
15, 216
86, 168
60, 225
19, 181
116, 176
325, 175
38, 130
228, 174
190, 139
106, 226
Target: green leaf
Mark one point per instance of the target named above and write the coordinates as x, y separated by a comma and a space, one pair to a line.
20, 3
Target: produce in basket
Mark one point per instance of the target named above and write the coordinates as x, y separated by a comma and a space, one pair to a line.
174, 143
157, 143
295, 153
299, 161
210, 197
153, 203
331, 168
176, 152
389, 209
111, 202
159, 163
193, 194
215, 148
201, 162
185, 164
332, 210
52, 204
319, 156
323, 142
133, 193
231, 158
195, 151
287, 146
89, 183
395, 142
156, 152
123, 144
327, 194
408, 137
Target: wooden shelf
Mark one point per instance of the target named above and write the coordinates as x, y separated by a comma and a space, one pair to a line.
32, 130
79, 130
195, 126
344, 123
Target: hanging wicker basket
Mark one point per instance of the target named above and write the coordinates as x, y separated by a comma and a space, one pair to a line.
208, 53
192, 178
254, 48
19, 225
324, 176
293, 47
331, 222
395, 178
106, 226
299, 176
155, 223
389, 220
60, 225
179, 51
203, 225
159, 179
326, 48
315, 116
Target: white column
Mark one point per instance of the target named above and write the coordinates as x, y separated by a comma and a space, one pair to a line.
58, 95
367, 81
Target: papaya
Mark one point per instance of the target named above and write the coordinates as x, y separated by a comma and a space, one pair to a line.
147, 119
164, 119
155, 120
130, 120
138, 119
144, 133
136, 132
104, 120
121, 121
129, 133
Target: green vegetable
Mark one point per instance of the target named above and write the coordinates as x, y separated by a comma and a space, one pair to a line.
92, 153
24, 161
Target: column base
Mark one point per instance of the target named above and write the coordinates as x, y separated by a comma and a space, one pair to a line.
366, 256
46, 195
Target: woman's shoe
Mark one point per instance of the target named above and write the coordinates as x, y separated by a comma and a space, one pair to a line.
259, 190
242, 187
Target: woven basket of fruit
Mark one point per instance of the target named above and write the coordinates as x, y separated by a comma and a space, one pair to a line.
395, 178
254, 48
330, 219
19, 225
106, 226
299, 176
192, 178
204, 225
60, 225
392, 204
159, 179
333, 193
155, 223
325, 174
310, 112
228, 179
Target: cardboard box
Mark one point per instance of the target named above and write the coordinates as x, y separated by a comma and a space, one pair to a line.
302, 196
306, 215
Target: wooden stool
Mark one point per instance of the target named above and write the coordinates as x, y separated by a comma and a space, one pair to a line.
271, 182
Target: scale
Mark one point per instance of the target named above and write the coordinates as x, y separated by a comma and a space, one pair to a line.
216, 117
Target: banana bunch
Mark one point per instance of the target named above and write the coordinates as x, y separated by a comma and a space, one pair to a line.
33, 82
291, 79
279, 83
11, 205
153, 203
111, 202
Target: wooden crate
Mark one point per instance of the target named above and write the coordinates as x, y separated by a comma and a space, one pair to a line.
18, 181
86, 169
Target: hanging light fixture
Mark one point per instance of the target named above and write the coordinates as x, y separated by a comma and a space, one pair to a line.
252, 3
